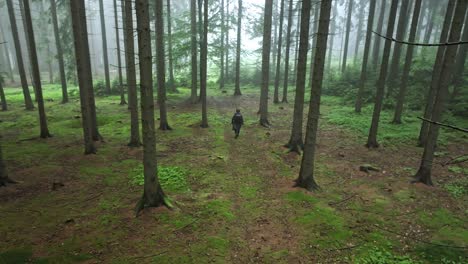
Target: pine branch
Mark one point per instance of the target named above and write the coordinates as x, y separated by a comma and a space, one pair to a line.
444, 125
421, 44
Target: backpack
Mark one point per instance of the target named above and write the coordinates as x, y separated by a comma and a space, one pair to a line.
237, 118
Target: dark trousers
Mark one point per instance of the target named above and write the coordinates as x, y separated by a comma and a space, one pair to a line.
236, 129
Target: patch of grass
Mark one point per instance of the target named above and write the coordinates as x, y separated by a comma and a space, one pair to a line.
219, 207
458, 170
173, 179
300, 196
248, 192
16, 256
443, 255
457, 188
382, 256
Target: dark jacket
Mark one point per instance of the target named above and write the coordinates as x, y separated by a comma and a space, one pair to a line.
237, 120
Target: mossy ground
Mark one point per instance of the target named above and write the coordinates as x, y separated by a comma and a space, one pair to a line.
234, 200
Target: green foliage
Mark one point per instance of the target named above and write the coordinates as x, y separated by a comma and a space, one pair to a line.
457, 188
172, 179
382, 256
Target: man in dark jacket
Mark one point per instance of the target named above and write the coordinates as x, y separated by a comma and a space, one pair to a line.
237, 122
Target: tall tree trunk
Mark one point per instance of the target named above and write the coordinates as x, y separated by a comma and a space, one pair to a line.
407, 67
2, 97
104, 46
161, 66
228, 46
419, 33
278, 59
238, 50
332, 36
221, 73
200, 37
362, 6
460, 65
35, 71
314, 41
306, 174
83, 62
348, 29
153, 195
287, 51
129, 47
28, 54
296, 143
274, 40
49, 63
372, 139
4, 179
266, 63
58, 46
365, 59
7, 55
433, 6
193, 31
423, 133
424, 173
119, 60
204, 65
296, 51
171, 83
393, 76
376, 48
19, 57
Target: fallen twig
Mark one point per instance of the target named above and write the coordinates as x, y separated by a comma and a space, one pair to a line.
444, 125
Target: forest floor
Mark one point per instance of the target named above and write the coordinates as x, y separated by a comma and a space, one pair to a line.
234, 198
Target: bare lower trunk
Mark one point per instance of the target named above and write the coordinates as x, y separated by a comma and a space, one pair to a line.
161, 66
266, 63
348, 29
119, 61
104, 47
204, 65
306, 175
278, 59
2, 97
288, 50
365, 59
377, 39
362, 4
221, 73
58, 46
296, 143
7, 56
4, 179
172, 88
153, 195
193, 30
372, 138
83, 62
19, 57
238, 50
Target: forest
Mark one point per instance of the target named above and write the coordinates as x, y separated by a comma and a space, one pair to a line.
234, 131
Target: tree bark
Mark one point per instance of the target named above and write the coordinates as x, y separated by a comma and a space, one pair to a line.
2, 97
408, 61
28, 56
83, 66
58, 46
104, 47
237, 90
228, 46
287, 51
423, 133
296, 143
393, 76
119, 60
332, 36
460, 64
296, 51
372, 139
348, 29
221, 73
204, 65
171, 83
314, 42
365, 59
424, 173
306, 174
4, 179
7, 56
376, 48
278, 59
266, 63
362, 6
193, 31
419, 33
153, 195
129, 48
35, 71
161, 66
19, 57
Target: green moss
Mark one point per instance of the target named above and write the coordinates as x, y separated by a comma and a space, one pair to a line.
300, 196
16, 256
248, 192
173, 179
219, 208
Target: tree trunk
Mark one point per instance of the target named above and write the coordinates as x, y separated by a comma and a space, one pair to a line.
287, 51
332, 37
153, 195
2, 97
433, 6
460, 65
423, 133
119, 61
129, 47
376, 48
171, 83
160, 65
296, 143
19, 57
28, 56
104, 46
4, 179
35, 71
372, 139
298, 8
193, 31
204, 65
419, 33
424, 173
83, 62
348, 29
7, 56
306, 174
407, 67
228, 46
362, 6
266, 63
393, 76
221, 73
365, 59
274, 41
314, 41
278, 59
238, 50
58, 47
